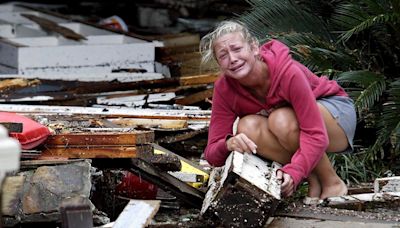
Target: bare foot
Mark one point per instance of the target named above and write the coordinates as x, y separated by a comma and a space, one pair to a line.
314, 187
339, 188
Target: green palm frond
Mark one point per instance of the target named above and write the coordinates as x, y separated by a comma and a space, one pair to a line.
369, 22
269, 17
389, 123
358, 17
316, 53
346, 16
373, 86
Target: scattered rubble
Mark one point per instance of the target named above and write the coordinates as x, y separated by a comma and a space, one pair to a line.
128, 118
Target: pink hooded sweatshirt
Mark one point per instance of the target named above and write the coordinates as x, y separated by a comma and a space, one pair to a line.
291, 83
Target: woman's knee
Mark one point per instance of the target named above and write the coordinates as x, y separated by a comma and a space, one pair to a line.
283, 123
251, 124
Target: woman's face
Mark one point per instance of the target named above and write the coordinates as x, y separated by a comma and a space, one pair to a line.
236, 57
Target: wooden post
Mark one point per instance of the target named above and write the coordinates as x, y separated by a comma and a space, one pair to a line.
243, 193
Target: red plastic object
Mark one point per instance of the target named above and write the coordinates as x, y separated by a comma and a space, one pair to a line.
33, 133
135, 187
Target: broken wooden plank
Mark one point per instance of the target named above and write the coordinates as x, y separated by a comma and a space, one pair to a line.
32, 164
100, 138
243, 193
136, 100
362, 201
137, 213
387, 184
97, 152
181, 137
189, 170
198, 79
150, 123
196, 97
109, 111
109, 77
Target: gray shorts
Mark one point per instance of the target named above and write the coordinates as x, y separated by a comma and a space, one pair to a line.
343, 110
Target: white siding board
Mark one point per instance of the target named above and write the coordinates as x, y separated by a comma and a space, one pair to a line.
31, 50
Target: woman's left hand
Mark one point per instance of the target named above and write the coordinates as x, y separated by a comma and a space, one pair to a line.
287, 187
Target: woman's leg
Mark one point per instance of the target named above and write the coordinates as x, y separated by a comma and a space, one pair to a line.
330, 182
277, 138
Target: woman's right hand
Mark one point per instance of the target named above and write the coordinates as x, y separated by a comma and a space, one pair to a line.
241, 143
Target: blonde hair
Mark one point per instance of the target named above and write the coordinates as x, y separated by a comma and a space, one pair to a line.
207, 42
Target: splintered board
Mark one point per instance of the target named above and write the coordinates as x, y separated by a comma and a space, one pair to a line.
243, 193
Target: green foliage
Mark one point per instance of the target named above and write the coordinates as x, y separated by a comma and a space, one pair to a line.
373, 86
357, 168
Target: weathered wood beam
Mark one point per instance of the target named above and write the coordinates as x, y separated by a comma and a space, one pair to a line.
194, 98
149, 123
198, 79
96, 152
181, 136
114, 80
110, 111
33, 164
100, 138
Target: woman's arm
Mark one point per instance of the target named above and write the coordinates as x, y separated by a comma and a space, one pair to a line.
222, 118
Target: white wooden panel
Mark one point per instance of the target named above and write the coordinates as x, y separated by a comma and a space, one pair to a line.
120, 77
27, 49
115, 111
97, 73
36, 41
70, 56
